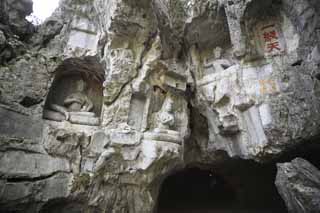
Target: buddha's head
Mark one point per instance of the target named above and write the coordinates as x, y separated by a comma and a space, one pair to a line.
81, 86
217, 52
168, 105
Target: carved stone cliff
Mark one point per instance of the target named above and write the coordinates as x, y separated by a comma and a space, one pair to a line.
107, 98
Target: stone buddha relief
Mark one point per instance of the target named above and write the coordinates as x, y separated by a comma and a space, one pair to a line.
217, 63
164, 124
73, 105
165, 118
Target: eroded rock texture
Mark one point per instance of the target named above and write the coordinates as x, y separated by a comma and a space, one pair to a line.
107, 98
299, 185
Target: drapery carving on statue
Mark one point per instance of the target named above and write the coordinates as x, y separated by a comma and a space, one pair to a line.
221, 91
217, 63
165, 123
77, 107
215, 68
165, 117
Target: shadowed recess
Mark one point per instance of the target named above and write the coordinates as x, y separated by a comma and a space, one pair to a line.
238, 187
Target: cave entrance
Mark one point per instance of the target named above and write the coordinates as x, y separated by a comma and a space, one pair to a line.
194, 190
241, 187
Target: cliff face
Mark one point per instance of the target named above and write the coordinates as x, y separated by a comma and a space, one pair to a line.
107, 98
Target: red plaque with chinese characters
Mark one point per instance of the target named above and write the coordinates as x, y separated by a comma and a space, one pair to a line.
270, 39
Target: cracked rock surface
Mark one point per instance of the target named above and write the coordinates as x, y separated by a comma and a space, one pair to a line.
107, 98
299, 185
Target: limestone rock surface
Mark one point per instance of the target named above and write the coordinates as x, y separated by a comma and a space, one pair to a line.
298, 183
170, 84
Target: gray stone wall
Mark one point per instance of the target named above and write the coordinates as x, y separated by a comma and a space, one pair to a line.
241, 77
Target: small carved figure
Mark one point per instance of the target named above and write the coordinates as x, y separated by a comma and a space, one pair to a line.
217, 63
166, 117
164, 129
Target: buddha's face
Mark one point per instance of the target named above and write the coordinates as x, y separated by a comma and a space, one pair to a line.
217, 52
81, 86
169, 106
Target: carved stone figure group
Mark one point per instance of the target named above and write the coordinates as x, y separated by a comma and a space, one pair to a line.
77, 107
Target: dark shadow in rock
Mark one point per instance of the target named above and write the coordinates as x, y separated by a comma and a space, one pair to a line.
29, 101
63, 206
308, 150
212, 22
236, 186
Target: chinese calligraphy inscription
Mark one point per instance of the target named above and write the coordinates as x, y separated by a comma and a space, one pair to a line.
270, 39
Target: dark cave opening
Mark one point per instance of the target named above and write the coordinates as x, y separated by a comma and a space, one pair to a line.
63, 206
308, 150
240, 186
194, 189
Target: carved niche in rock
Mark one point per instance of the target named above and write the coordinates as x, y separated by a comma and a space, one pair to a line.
219, 89
216, 63
164, 124
137, 114
76, 93
165, 117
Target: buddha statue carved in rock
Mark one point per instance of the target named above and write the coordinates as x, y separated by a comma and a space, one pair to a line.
76, 107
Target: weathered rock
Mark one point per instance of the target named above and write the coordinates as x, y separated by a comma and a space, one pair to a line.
19, 125
2, 39
13, 14
29, 191
170, 84
298, 183
47, 31
17, 164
